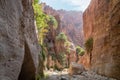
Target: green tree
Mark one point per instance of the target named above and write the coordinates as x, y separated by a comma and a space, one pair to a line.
41, 21
61, 37
89, 47
53, 21
79, 51
67, 45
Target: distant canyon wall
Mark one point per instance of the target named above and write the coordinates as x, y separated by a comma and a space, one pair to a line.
102, 22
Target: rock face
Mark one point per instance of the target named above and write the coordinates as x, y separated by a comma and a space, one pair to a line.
18, 41
102, 22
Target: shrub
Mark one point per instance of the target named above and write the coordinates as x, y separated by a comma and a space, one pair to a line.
61, 37
80, 51
89, 44
53, 21
43, 52
89, 47
61, 58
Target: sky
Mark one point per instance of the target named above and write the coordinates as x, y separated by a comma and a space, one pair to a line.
78, 5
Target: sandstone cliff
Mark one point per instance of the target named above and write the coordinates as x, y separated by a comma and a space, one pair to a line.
102, 22
18, 42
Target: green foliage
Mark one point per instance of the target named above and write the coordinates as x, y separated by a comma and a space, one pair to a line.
80, 51
61, 58
43, 51
36, 1
53, 57
37, 77
41, 21
67, 45
61, 37
53, 21
89, 44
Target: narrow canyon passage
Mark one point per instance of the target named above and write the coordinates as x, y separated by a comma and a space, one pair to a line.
60, 40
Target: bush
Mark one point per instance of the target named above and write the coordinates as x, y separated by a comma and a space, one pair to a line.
61, 37
61, 58
80, 51
53, 21
89, 44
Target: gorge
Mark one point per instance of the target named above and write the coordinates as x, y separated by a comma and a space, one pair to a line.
35, 38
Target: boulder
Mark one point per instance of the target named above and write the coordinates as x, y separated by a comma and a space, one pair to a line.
76, 68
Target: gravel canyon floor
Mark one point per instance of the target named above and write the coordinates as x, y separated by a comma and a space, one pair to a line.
63, 75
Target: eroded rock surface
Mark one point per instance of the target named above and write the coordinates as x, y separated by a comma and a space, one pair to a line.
18, 42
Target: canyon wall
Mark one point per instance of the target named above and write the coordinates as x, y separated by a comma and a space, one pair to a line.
102, 22
18, 41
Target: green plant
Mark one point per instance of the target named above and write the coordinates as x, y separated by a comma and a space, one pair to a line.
61, 57
53, 21
43, 51
89, 47
80, 51
61, 37
46, 75
39, 77
36, 1
41, 21
89, 44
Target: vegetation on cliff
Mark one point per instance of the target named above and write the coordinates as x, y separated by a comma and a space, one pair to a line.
42, 22
61, 37
79, 52
89, 47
